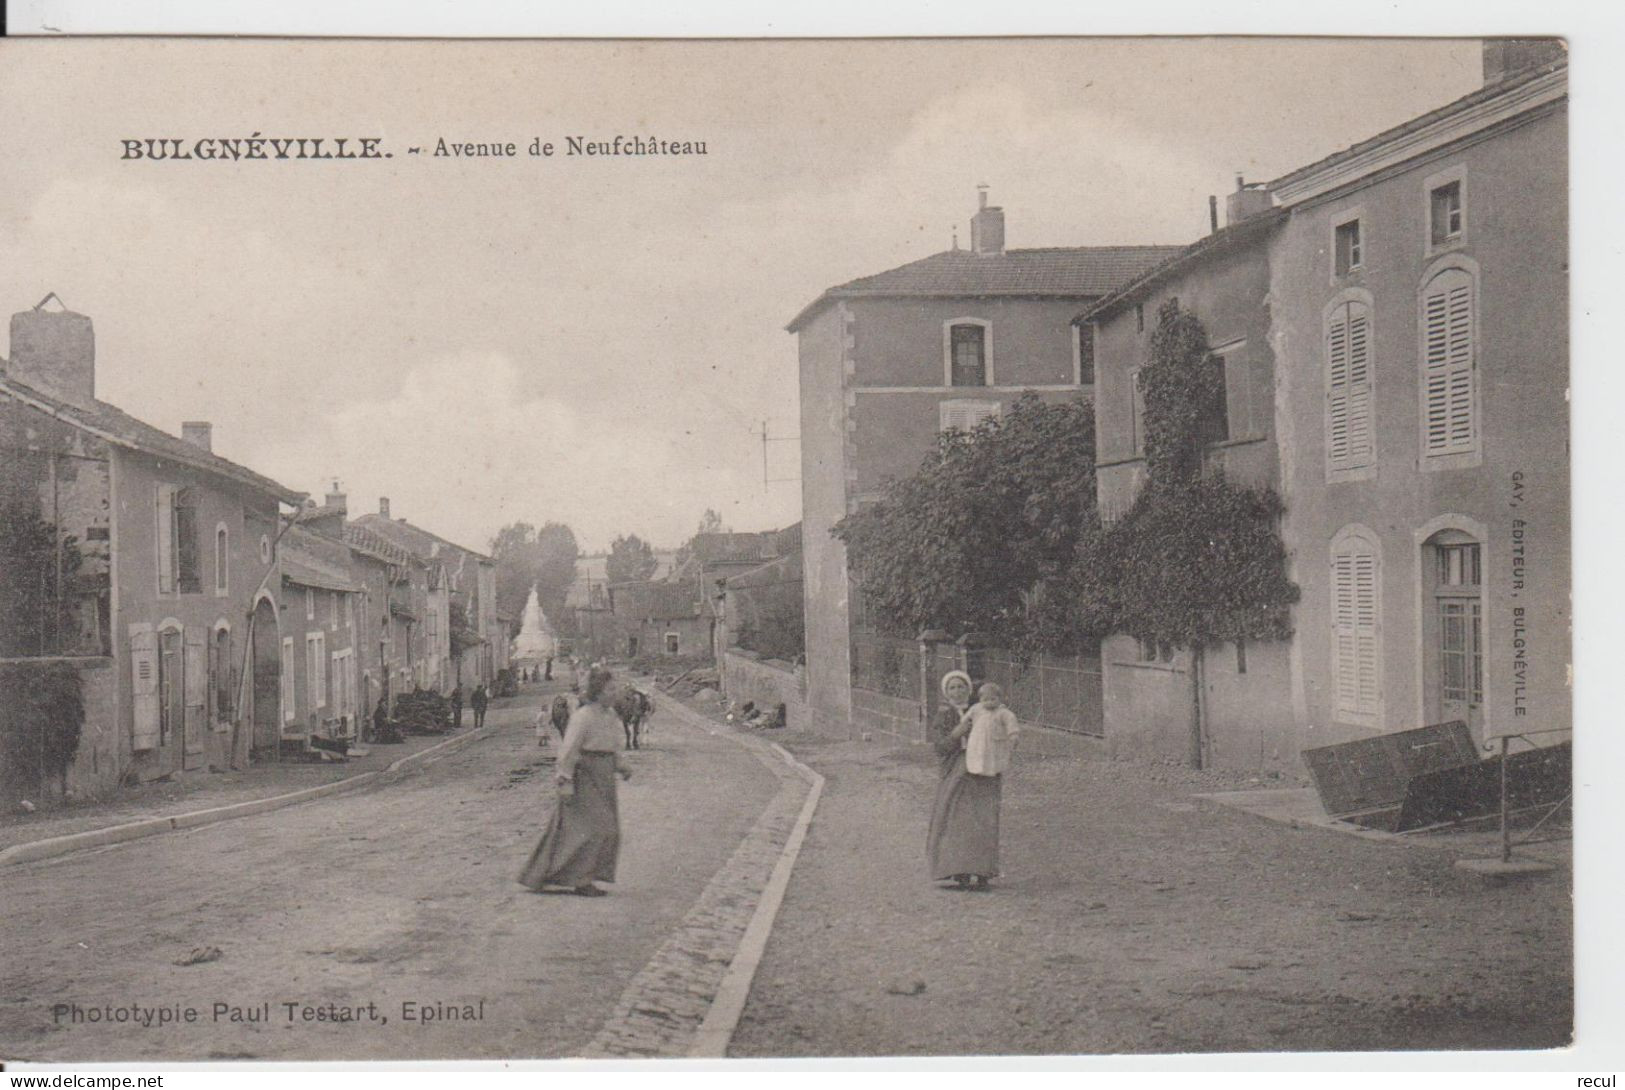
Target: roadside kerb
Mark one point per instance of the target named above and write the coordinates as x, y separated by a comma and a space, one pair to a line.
688, 999
135, 830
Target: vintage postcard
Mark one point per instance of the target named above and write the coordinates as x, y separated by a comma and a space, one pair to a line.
783, 549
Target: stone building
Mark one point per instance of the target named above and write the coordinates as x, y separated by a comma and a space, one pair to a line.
157, 575
889, 361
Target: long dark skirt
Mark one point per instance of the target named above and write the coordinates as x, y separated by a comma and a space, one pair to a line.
964, 836
583, 836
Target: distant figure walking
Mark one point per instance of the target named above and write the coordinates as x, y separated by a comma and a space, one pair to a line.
973, 745
583, 836
479, 701
549, 675
457, 707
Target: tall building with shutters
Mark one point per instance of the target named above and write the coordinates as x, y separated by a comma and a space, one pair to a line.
890, 361
149, 566
1419, 299
1391, 325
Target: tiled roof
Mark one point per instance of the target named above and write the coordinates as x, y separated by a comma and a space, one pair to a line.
1223, 240
1488, 91
416, 538
365, 541
731, 548
658, 601
1069, 271
119, 427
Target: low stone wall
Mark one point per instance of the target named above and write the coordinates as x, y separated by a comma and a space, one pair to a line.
766, 683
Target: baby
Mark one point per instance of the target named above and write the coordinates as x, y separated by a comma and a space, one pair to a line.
993, 730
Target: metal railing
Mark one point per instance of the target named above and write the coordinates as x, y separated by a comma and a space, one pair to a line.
1506, 812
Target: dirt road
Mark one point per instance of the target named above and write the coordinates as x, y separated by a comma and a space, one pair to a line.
350, 908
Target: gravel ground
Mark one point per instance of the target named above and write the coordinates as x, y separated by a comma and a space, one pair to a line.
204, 790
402, 894
1136, 918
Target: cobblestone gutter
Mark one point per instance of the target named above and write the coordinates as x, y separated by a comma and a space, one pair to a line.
687, 1000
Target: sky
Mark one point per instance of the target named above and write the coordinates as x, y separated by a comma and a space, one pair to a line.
597, 341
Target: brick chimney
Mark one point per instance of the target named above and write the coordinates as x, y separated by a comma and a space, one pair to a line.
383, 506
987, 226
337, 499
54, 351
1504, 56
1246, 202
200, 433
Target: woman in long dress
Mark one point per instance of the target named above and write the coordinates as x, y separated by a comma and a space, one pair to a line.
963, 843
583, 837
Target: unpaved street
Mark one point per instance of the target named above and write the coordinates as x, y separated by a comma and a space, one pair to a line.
401, 894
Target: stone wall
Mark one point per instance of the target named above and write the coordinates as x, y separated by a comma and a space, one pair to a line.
767, 683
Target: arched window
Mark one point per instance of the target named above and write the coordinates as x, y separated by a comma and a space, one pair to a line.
1356, 619
1449, 324
1349, 441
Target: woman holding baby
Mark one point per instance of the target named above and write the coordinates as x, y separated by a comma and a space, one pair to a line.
974, 743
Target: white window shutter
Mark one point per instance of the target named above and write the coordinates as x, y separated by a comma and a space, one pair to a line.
290, 692
1348, 387
1354, 624
144, 675
1448, 424
196, 677
166, 539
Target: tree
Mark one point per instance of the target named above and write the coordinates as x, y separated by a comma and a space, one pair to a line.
631, 559
976, 537
527, 557
711, 523
1197, 559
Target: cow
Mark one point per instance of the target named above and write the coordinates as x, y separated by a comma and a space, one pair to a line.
634, 707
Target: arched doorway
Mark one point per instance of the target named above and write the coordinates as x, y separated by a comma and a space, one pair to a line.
1453, 629
267, 668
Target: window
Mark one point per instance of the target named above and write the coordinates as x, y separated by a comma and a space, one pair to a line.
343, 684
1136, 412
221, 561
1348, 250
962, 415
171, 680
333, 610
290, 698
1086, 355
1457, 582
967, 354
316, 669
1349, 438
1214, 426
1449, 364
673, 644
178, 560
1355, 619
220, 674
1444, 212
310, 604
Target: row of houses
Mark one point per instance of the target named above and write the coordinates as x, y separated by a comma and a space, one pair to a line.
1390, 323
214, 614
685, 608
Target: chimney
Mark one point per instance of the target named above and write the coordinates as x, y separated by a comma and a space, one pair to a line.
383, 506
54, 351
1505, 56
1246, 202
200, 433
987, 226
337, 499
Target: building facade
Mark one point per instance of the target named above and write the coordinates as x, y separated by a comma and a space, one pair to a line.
888, 362
1419, 295
161, 569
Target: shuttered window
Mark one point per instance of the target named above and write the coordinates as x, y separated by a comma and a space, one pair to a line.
144, 678
1349, 443
221, 561
188, 561
1355, 619
1449, 365
166, 539
962, 415
316, 669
